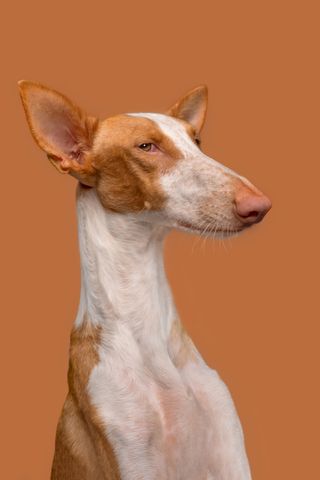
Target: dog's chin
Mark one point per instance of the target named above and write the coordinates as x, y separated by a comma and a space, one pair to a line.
214, 231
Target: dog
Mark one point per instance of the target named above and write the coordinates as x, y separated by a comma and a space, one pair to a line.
142, 403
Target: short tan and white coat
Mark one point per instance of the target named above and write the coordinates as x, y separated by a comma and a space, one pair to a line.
142, 403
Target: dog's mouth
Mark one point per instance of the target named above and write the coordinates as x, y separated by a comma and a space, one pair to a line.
209, 230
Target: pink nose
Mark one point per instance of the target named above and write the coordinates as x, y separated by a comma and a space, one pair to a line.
251, 206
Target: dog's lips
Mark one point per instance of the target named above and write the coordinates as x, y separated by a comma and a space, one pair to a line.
213, 230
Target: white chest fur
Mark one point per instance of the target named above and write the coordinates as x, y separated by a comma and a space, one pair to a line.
164, 420
180, 426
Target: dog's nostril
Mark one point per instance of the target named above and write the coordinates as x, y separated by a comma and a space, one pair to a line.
253, 213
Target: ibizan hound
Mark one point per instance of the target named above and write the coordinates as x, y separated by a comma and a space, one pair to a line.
142, 403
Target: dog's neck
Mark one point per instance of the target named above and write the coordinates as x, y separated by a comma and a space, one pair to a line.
123, 282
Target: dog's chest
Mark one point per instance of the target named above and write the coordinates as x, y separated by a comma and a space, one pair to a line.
160, 424
156, 429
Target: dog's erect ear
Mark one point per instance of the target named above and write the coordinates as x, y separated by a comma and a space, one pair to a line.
61, 129
192, 107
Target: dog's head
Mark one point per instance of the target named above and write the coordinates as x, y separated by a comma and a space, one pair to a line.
146, 163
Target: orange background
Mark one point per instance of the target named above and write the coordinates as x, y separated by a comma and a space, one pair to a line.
250, 304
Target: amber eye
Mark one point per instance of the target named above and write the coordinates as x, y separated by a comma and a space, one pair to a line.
146, 146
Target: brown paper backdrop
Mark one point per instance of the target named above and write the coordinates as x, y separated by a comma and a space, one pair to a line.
251, 305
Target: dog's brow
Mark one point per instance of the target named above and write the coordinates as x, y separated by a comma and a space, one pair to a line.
174, 130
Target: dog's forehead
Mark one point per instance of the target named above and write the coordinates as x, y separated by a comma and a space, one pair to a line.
177, 130
147, 127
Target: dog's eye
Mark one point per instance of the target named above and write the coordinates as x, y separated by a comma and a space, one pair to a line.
148, 147
197, 141
145, 146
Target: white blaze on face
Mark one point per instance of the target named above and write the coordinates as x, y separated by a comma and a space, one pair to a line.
200, 190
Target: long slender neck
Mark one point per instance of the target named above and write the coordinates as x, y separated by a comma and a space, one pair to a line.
123, 277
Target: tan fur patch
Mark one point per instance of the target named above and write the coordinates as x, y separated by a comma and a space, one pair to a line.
82, 450
128, 177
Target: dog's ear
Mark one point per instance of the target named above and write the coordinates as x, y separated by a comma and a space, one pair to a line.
61, 129
192, 107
